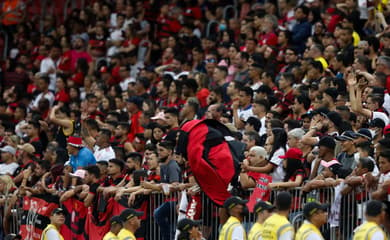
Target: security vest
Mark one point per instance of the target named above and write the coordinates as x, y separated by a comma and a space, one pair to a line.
255, 232
110, 236
50, 226
366, 230
125, 234
275, 226
227, 229
306, 229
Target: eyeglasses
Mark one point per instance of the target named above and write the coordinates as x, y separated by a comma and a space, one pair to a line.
210, 60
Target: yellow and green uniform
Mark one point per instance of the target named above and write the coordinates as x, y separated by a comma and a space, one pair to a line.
275, 226
228, 228
366, 231
125, 234
110, 236
306, 229
255, 232
50, 226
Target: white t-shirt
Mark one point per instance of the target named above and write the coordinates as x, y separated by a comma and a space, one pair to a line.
384, 177
380, 115
8, 168
103, 154
49, 96
278, 174
46, 65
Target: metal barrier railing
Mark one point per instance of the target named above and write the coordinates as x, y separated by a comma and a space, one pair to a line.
345, 215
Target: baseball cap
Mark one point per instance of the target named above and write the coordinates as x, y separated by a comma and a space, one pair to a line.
364, 132
346, 136
321, 110
27, 147
79, 173
262, 205
328, 142
129, 213
8, 149
116, 220
330, 163
234, 201
160, 116
294, 153
57, 211
334, 117
377, 122
374, 208
310, 208
186, 224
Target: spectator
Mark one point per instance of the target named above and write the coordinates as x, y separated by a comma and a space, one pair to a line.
9, 165
79, 156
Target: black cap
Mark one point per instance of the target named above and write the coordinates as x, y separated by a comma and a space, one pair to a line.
310, 208
321, 110
364, 132
136, 100
224, 45
186, 224
57, 211
377, 122
374, 208
335, 118
234, 201
328, 142
116, 220
346, 136
261, 206
129, 213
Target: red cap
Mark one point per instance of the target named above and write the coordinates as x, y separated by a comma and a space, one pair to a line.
386, 129
294, 153
103, 69
75, 141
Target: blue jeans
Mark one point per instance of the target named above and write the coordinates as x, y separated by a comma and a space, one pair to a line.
165, 217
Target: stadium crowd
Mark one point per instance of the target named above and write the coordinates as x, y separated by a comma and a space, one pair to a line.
93, 105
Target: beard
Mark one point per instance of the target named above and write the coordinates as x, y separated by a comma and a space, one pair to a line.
163, 159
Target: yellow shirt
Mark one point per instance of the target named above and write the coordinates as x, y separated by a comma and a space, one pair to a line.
276, 226
50, 226
110, 236
125, 234
227, 229
366, 231
306, 229
255, 232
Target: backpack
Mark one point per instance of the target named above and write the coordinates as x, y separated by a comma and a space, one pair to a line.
213, 156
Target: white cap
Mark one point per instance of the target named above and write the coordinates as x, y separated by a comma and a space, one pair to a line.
8, 149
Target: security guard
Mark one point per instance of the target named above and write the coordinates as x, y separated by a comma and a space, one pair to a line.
51, 232
115, 227
277, 227
263, 211
131, 222
189, 230
316, 215
371, 230
233, 230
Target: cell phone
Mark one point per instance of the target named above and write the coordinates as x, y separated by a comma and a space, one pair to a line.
139, 175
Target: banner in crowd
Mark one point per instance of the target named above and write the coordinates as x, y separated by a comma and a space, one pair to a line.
36, 215
75, 216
